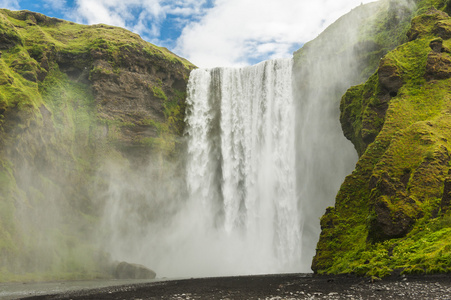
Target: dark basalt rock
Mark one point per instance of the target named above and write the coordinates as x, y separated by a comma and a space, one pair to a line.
418, 28
442, 29
8, 41
436, 45
438, 66
392, 218
446, 198
389, 77
389, 224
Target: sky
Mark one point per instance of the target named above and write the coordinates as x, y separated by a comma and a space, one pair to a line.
209, 33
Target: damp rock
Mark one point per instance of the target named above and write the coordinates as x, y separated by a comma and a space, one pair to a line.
436, 45
438, 66
390, 77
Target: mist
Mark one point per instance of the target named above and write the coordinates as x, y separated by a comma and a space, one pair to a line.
220, 218
48, 203
257, 167
325, 68
193, 216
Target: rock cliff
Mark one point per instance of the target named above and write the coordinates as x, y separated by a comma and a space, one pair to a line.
345, 54
391, 214
71, 98
76, 99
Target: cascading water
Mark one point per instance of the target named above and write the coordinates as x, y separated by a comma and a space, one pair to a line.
241, 164
265, 156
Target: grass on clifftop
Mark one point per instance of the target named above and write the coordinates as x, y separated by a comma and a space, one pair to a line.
63, 35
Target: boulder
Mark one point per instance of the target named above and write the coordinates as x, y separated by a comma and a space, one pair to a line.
442, 29
421, 25
436, 45
125, 270
438, 66
390, 222
390, 76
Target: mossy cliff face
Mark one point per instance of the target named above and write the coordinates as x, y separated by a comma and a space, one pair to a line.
345, 54
71, 98
392, 212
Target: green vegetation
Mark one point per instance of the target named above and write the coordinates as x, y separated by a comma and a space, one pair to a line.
72, 94
71, 97
42, 34
158, 92
391, 213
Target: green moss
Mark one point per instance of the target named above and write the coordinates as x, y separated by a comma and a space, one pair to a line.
424, 5
403, 170
53, 132
417, 253
49, 35
97, 70
18, 90
158, 92
70, 108
9, 35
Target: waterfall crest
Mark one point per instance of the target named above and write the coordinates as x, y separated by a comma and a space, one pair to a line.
241, 164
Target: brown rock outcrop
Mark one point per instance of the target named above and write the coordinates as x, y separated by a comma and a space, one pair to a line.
421, 24
445, 203
389, 77
438, 66
392, 218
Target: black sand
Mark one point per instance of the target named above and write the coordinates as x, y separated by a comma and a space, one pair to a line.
285, 286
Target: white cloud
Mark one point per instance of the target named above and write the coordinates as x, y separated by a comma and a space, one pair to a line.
236, 32
55, 4
144, 17
114, 12
191, 8
10, 4
231, 33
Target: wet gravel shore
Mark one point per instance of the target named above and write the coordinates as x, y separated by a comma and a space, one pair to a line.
285, 286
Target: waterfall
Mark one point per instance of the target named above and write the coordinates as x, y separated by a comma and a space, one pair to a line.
265, 156
241, 164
